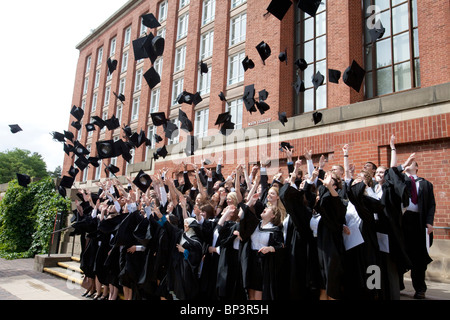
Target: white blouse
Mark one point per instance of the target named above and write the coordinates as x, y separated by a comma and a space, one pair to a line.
260, 238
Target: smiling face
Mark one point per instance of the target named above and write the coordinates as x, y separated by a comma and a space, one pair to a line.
272, 195
379, 174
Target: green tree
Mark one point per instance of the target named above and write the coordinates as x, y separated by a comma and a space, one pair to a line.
21, 161
55, 173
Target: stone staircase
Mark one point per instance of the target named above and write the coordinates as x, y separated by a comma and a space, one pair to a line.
69, 270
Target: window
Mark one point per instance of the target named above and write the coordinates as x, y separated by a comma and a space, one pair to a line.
235, 109
311, 45
235, 68
138, 80
238, 27
80, 131
85, 85
100, 56
177, 88
208, 11
127, 37
83, 104
107, 95
154, 101
119, 113
104, 117
158, 65
206, 44
124, 61
392, 63
180, 58
130, 162
135, 108
94, 102
163, 11
98, 171
236, 3
88, 64
151, 136
183, 22
112, 48
143, 29
122, 85
176, 134
201, 123
204, 81
184, 3
97, 79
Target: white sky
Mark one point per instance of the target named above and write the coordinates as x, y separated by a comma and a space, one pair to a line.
37, 72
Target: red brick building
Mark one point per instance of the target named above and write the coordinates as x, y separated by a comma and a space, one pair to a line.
406, 88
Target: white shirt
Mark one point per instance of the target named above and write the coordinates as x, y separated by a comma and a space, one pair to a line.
260, 238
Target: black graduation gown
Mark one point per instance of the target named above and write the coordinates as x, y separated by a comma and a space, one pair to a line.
87, 227
271, 262
330, 243
229, 276
208, 276
300, 252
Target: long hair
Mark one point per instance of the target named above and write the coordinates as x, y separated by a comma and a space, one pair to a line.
280, 209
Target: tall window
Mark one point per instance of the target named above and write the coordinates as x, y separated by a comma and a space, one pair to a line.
100, 56
107, 95
119, 113
127, 37
208, 11
238, 25
176, 134
85, 85
122, 85
151, 136
138, 80
97, 79
124, 62
206, 44
311, 45
154, 101
162, 11
201, 123
235, 108
135, 108
180, 58
183, 22
204, 82
158, 65
88, 64
112, 48
143, 29
184, 3
98, 171
94, 102
235, 68
104, 117
177, 88
392, 62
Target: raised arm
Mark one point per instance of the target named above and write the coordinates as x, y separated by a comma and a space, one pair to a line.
393, 152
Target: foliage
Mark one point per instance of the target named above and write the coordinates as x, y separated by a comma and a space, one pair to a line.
55, 173
27, 218
21, 161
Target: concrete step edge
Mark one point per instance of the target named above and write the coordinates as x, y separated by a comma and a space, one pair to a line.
62, 273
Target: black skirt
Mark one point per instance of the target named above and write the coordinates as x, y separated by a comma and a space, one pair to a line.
256, 271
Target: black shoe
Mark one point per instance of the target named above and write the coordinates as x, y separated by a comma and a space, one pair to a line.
91, 295
85, 294
419, 295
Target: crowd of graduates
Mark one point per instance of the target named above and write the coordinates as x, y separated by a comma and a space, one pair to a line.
191, 233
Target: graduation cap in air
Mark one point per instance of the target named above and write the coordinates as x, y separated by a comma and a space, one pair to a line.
105, 149
138, 48
262, 106
112, 65
58, 136
186, 124
169, 129
203, 67
284, 145
123, 149
82, 162
191, 145
150, 21
15, 128
90, 127
301, 64
377, 31
94, 161
69, 135
222, 118
158, 118
77, 113
283, 56
67, 182
160, 152
299, 85
62, 191
279, 8
127, 130
73, 171
227, 127
222, 96
158, 138
353, 76
334, 75
247, 63
112, 123
317, 80
76, 124
263, 94
152, 77
23, 179
248, 98
79, 149
142, 181
282, 117
264, 51
138, 139
185, 97
196, 98
309, 6
68, 148
111, 168
98, 122
120, 96
153, 47
317, 117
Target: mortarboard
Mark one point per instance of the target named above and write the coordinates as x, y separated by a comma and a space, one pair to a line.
203, 67
317, 80
279, 8
68, 148
158, 118
377, 31
263, 50
152, 77
282, 117
222, 96
76, 125
301, 64
150, 21
153, 46
223, 117
227, 127
169, 129
263, 94
112, 123
191, 145
317, 117
73, 171
248, 98
69, 135
309, 6
196, 98
67, 182
186, 124
162, 152
283, 145
127, 130
23, 179
82, 162
120, 96
158, 138
207, 162
299, 85
15, 128
111, 168
283, 56
112, 65
94, 161
105, 149
90, 127
185, 97
138, 48
77, 113
79, 149
262, 106
334, 75
353, 76
58, 136
247, 63
98, 122
62, 191
142, 181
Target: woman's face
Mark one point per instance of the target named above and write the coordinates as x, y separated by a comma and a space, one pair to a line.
267, 214
215, 197
230, 200
272, 196
379, 174
170, 207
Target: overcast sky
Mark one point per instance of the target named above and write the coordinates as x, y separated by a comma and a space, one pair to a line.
38, 62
